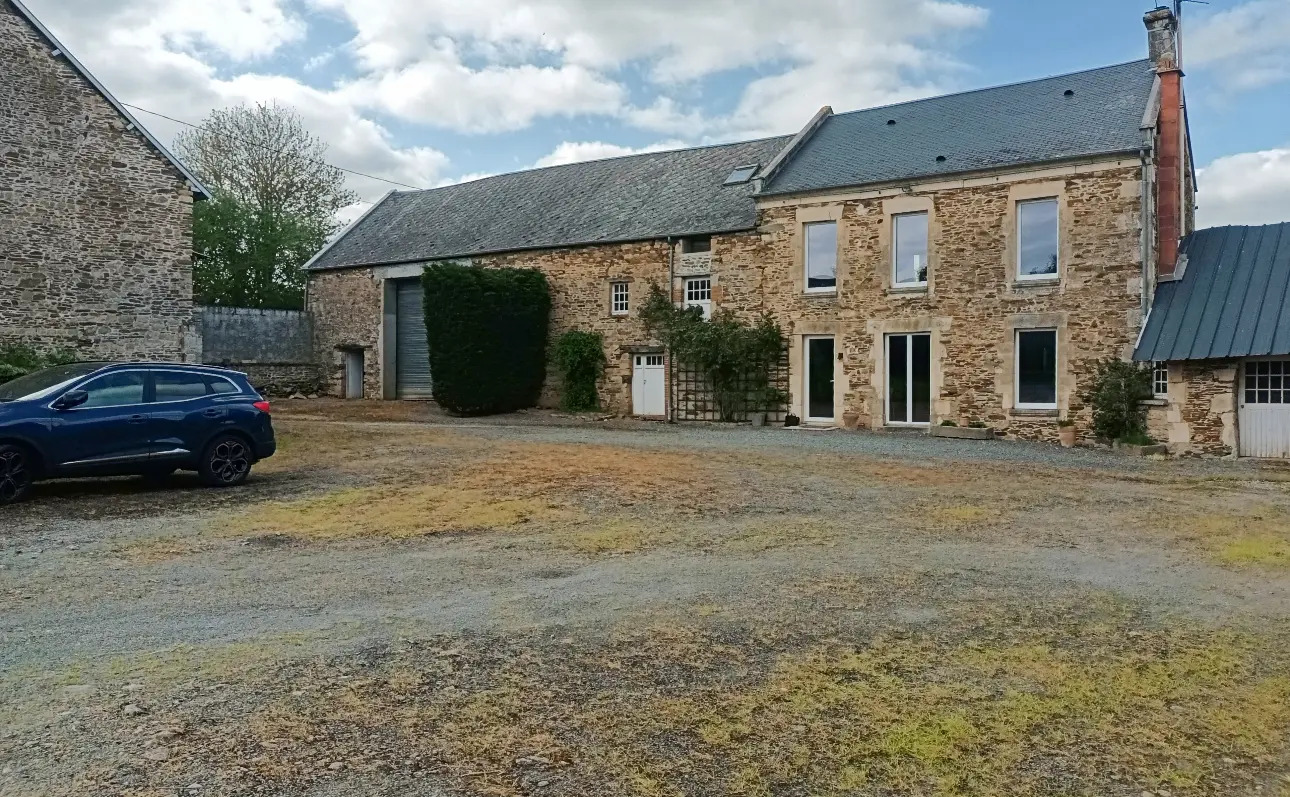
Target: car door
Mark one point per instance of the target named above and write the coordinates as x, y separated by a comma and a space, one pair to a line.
188, 408
110, 431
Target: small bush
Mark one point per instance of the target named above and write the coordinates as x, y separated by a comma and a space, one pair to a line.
487, 332
1137, 439
976, 425
1116, 395
580, 356
948, 422
19, 359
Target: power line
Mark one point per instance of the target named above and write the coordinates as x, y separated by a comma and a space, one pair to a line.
262, 146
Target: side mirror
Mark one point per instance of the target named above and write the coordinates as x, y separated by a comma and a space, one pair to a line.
71, 399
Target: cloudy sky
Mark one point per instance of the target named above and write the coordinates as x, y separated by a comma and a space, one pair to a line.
426, 92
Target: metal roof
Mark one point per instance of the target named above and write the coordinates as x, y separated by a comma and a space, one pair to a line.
630, 198
1230, 302
1032, 122
58, 47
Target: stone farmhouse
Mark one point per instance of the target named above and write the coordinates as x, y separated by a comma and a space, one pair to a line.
966, 258
95, 213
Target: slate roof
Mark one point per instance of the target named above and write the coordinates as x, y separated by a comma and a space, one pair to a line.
1230, 302
200, 191
631, 198
1022, 123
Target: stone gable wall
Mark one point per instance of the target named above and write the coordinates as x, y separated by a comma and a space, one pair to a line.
95, 225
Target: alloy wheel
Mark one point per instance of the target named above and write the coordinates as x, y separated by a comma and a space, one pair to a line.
230, 460
15, 477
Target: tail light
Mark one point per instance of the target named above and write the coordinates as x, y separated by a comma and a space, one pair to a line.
262, 406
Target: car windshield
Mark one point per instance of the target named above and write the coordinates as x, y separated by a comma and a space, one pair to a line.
45, 383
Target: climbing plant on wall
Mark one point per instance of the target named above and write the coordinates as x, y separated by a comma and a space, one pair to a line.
487, 332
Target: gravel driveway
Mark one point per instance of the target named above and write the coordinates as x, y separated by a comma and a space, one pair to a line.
403, 603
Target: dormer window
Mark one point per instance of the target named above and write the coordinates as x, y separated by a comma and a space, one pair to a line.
702, 243
741, 174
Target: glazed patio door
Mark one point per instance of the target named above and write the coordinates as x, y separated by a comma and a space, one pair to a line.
909, 379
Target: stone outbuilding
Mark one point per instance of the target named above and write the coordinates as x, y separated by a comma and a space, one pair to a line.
95, 214
965, 258
1219, 339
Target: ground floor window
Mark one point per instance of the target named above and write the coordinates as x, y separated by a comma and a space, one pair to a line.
1037, 369
1160, 380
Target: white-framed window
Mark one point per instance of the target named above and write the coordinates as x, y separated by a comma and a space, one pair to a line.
698, 293
1160, 380
1267, 382
909, 249
1036, 365
619, 298
1037, 250
821, 256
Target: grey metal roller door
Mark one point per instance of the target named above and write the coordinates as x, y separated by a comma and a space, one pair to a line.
412, 363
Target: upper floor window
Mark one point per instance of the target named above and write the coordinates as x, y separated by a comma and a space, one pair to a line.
690, 246
1160, 380
910, 249
619, 298
1037, 239
698, 293
821, 256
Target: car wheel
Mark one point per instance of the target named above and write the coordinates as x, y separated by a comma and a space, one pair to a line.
15, 473
227, 461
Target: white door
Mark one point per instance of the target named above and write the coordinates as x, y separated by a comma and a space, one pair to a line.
1264, 418
819, 406
647, 384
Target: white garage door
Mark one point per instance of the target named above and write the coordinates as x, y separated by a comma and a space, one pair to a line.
647, 384
1265, 409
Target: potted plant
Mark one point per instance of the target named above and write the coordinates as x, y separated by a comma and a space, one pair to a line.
1066, 432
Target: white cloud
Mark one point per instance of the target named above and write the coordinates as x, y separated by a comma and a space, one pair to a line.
1245, 45
578, 151
1249, 188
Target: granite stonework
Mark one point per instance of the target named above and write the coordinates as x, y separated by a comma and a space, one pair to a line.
95, 224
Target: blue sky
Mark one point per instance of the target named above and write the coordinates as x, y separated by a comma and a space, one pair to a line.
436, 91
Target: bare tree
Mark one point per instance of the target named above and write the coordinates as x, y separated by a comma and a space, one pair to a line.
275, 204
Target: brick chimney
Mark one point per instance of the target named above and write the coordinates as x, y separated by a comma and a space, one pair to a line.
1162, 40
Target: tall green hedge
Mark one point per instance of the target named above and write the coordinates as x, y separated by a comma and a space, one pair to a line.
487, 330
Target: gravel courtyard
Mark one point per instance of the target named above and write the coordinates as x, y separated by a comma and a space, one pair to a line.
401, 603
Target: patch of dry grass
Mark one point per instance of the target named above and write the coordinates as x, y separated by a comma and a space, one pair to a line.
157, 549
1261, 537
392, 512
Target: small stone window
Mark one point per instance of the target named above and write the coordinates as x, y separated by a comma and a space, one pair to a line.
619, 298
696, 245
1160, 380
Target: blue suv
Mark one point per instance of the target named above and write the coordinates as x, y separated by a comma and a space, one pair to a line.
116, 419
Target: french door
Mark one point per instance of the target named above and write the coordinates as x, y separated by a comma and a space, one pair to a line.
909, 379
819, 380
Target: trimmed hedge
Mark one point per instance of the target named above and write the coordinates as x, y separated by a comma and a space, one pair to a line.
580, 356
487, 330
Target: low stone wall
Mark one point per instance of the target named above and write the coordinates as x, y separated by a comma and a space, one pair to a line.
273, 347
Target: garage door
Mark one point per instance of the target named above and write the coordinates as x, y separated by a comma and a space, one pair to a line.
1265, 409
412, 355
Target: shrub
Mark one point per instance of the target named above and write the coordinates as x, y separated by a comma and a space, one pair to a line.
19, 359
1116, 395
580, 356
948, 422
977, 425
735, 358
487, 332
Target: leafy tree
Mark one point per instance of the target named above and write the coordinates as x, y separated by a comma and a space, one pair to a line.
1116, 396
274, 205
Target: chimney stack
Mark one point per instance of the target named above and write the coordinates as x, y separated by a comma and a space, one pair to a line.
1162, 40
1162, 37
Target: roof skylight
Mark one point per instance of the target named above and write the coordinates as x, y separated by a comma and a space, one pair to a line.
741, 174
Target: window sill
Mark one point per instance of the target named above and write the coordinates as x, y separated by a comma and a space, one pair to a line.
908, 289
1155, 402
1034, 413
820, 294
1046, 282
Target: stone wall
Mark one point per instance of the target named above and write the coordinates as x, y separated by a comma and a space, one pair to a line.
1201, 416
972, 304
347, 312
274, 347
95, 225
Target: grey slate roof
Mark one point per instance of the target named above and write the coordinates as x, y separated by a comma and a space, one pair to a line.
632, 198
1230, 302
1028, 122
